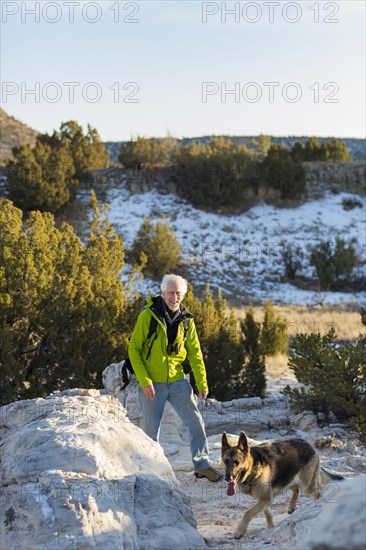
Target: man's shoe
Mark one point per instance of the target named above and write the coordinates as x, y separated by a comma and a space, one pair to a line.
210, 473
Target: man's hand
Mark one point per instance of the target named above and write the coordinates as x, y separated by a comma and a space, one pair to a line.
149, 391
202, 394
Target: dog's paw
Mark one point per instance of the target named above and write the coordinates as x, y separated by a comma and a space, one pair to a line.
291, 510
239, 533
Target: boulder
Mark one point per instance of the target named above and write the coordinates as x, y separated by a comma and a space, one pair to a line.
76, 473
342, 521
306, 421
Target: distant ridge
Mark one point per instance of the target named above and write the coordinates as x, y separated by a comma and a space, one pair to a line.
356, 146
13, 133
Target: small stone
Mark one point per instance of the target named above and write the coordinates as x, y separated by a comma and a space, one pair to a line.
332, 417
90, 393
323, 442
337, 443
351, 448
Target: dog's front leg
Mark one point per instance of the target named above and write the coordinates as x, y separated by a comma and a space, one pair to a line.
269, 519
250, 514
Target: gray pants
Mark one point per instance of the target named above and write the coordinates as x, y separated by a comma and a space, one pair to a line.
180, 396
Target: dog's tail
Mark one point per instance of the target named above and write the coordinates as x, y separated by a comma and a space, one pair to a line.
328, 476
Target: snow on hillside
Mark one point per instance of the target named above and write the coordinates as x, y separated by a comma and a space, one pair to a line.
242, 254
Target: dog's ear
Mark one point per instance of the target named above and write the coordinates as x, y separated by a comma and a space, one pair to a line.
224, 444
243, 442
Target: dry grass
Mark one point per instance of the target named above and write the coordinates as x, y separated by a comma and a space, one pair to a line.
277, 367
302, 318
299, 319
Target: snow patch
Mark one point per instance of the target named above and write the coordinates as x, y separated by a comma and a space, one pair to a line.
242, 254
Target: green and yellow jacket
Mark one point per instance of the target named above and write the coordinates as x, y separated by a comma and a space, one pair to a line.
149, 357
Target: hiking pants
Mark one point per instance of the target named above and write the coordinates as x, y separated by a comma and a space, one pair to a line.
180, 396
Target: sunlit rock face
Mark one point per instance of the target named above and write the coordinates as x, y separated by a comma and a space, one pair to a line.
76, 473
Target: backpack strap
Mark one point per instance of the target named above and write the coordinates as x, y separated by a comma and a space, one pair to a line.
152, 330
153, 326
186, 366
185, 326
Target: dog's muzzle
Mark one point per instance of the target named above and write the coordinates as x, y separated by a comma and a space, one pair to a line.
230, 478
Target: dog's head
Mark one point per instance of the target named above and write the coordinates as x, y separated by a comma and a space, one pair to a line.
236, 459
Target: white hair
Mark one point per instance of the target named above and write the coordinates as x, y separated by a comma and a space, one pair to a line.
171, 278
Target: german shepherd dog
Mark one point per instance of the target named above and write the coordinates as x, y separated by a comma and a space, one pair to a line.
264, 471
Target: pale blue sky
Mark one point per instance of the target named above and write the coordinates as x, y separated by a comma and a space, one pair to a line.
170, 52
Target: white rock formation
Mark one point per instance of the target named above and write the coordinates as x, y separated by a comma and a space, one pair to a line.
342, 521
76, 473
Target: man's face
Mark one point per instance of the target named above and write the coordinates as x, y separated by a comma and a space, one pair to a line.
173, 296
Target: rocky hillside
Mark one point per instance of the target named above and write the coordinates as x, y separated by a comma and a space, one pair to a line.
12, 133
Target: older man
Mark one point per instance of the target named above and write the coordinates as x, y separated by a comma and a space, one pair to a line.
157, 359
